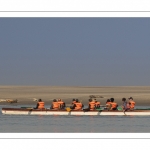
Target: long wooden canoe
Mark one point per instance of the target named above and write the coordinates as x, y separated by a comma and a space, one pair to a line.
30, 111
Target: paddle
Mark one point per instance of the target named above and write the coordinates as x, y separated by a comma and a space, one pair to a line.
27, 107
124, 112
68, 109
120, 108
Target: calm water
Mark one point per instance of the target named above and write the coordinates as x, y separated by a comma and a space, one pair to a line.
73, 124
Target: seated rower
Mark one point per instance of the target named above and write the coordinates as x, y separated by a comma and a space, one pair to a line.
40, 104
131, 103
55, 105
108, 104
125, 105
114, 105
61, 104
92, 104
78, 105
97, 104
73, 104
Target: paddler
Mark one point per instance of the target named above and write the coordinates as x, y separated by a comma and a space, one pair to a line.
40, 104
131, 103
78, 105
55, 105
97, 104
125, 105
113, 104
73, 104
108, 104
92, 104
61, 104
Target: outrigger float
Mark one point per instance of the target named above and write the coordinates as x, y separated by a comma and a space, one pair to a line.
100, 112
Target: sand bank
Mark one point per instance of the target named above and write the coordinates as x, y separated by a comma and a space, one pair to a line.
26, 94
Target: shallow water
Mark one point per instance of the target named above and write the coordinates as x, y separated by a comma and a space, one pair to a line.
73, 124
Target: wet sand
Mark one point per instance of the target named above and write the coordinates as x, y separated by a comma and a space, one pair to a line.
26, 94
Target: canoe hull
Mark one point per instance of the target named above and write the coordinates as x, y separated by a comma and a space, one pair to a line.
19, 111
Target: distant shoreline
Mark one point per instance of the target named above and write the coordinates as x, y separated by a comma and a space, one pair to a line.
26, 94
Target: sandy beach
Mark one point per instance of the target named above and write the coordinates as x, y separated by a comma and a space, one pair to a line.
26, 94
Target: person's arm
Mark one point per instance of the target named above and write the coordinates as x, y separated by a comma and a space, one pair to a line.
51, 107
82, 105
74, 105
36, 106
109, 107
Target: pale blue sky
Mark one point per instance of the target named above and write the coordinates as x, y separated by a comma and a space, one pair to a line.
75, 51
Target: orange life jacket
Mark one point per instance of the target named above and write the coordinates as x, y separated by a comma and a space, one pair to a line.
73, 102
92, 105
108, 103
78, 106
132, 103
55, 105
114, 105
97, 104
41, 105
61, 104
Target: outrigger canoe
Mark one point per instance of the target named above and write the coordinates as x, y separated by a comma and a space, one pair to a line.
31, 111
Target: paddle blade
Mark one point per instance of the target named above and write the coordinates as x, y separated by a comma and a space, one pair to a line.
68, 109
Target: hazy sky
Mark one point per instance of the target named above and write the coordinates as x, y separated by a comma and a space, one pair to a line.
75, 51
